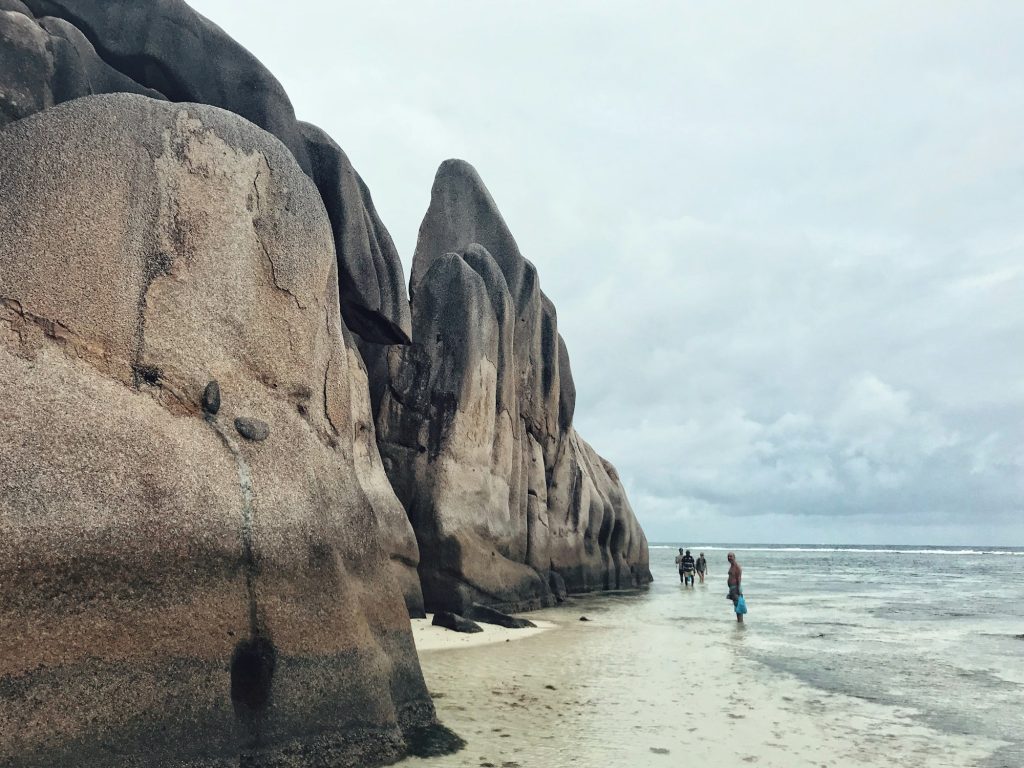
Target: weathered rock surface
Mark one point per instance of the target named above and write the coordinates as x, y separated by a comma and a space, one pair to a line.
172, 594
48, 61
373, 296
164, 48
510, 506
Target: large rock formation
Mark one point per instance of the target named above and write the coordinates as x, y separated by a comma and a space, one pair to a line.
47, 60
510, 506
164, 48
207, 552
191, 569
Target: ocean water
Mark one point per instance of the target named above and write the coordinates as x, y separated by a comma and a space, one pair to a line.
849, 658
938, 631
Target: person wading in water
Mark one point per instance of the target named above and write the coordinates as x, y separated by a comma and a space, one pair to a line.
686, 569
734, 580
702, 567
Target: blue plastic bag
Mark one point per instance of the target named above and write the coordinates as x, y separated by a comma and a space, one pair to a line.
741, 605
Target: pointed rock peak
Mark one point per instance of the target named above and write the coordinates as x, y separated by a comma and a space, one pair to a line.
450, 289
463, 213
454, 168
484, 265
448, 263
459, 177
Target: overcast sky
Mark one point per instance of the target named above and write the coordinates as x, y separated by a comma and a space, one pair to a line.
785, 240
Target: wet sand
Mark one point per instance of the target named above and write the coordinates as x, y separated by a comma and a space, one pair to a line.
636, 687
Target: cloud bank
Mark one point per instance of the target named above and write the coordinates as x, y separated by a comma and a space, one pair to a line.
784, 240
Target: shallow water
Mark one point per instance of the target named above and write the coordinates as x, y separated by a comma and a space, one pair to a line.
933, 629
848, 658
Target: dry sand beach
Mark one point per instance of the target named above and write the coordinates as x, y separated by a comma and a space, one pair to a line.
655, 678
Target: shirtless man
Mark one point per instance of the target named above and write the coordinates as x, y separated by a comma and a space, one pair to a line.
734, 581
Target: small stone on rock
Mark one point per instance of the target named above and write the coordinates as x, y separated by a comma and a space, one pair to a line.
584, 618
211, 397
252, 429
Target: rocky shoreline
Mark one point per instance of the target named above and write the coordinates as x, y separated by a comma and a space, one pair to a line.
237, 453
